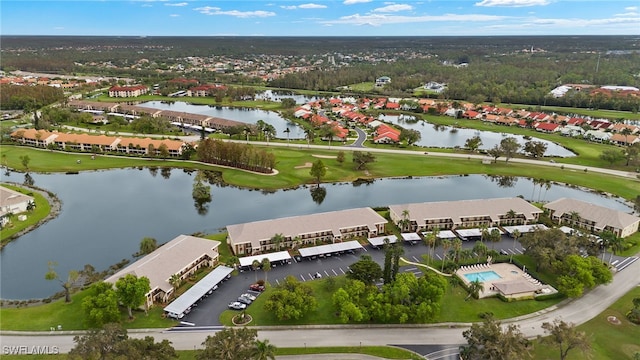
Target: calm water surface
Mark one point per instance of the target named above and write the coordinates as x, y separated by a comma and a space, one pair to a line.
443, 137
105, 214
249, 116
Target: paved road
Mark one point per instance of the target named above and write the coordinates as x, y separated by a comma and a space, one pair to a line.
358, 146
576, 311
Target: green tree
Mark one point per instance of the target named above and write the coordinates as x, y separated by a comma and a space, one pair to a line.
340, 157
132, 291
362, 160
475, 288
277, 240
318, 171
495, 152
229, 344
509, 146
68, 284
612, 156
148, 245
288, 103
112, 343
264, 350
473, 143
255, 265
410, 136
566, 337
100, 306
489, 340
25, 159
535, 149
266, 266
175, 280
291, 300
365, 270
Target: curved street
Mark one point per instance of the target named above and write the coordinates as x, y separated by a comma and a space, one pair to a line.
576, 311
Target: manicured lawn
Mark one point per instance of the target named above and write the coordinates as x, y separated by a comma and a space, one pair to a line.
454, 308
40, 211
70, 316
291, 174
362, 87
608, 341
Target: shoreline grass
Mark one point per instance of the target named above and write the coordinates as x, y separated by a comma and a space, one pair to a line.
290, 174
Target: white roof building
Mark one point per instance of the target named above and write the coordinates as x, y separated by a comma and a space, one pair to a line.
593, 217
183, 256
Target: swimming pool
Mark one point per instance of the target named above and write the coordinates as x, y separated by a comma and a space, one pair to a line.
482, 276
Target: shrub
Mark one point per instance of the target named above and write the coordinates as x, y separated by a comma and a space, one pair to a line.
549, 296
634, 316
485, 314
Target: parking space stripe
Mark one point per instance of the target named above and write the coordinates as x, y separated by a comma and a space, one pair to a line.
302, 277
334, 272
342, 271
326, 273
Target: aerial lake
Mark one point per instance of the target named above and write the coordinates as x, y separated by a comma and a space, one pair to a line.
105, 214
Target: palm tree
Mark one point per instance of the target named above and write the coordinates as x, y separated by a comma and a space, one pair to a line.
266, 266
175, 280
309, 135
457, 246
574, 218
233, 261
446, 244
484, 232
495, 237
288, 131
547, 186
430, 241
475, 288
277, 240
405, 222
511, 215
516, 235
263, 350
255, 265
480, 249
616, 244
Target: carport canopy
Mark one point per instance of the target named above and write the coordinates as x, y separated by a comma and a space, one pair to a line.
273, 257
197, 291
523, 229
411, 237
476, 233
443, 234
330, 248
379, 240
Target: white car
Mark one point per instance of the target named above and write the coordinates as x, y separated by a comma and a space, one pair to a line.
248, 296
236, 305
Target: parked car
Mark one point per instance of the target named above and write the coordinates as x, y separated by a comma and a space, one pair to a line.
248, 296
244, 300
236, 305
256, 287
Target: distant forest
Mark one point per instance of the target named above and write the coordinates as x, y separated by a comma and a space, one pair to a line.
499, 70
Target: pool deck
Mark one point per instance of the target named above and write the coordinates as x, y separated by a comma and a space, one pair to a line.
509, 274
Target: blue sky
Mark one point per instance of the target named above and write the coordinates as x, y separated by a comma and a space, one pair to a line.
319, 17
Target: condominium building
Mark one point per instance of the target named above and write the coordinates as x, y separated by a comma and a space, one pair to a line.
182, 256
591, 217
447, 215
329, 227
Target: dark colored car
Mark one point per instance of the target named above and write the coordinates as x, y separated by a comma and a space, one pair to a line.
256, 287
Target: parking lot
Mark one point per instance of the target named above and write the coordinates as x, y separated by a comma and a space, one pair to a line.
308, 269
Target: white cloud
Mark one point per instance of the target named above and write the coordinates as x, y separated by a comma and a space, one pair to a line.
177, 4
212, 10
312, 6
383, 19
352, 2
631, 8
513, 3
174, 15
58, 28
303, 6
631, 13
394, 8
587, 22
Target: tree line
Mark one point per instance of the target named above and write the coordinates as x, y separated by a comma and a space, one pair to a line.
236, 155
28, 98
